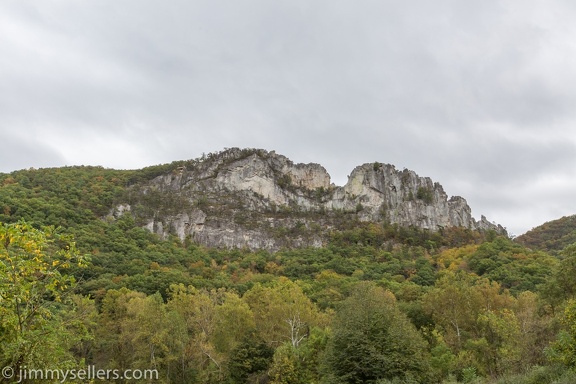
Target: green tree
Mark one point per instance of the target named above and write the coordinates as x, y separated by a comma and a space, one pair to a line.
249, 361
563, 350
562, 286
499, 344
454, 304
217, 322
476, 319
283, 312
152, 334
426, 194
284, 368
536, 327
292, 365
233, 320
34, 293
373, 340
114, 347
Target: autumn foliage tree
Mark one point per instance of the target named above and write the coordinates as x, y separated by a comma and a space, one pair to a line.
35, 296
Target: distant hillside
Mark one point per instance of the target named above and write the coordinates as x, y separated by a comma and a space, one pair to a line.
552, 236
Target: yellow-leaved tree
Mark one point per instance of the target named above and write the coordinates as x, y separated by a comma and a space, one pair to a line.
37, 328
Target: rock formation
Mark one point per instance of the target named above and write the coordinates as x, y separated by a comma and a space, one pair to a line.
262, 200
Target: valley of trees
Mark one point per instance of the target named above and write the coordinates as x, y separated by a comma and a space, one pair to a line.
377, 304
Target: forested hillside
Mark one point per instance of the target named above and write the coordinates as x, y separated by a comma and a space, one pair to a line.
377, 302
552, 236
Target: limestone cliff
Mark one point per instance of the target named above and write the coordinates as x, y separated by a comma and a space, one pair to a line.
258, 199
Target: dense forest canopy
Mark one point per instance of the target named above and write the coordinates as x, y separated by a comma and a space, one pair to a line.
378, 303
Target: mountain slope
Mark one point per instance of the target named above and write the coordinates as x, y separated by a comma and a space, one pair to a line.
552, 236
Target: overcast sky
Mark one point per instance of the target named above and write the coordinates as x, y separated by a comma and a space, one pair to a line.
478, 95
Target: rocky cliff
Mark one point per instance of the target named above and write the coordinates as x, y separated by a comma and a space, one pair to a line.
258, 199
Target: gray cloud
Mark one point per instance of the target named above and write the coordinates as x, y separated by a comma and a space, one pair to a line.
21, 152
477, 95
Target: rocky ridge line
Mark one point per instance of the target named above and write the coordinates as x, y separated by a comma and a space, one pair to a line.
261, 200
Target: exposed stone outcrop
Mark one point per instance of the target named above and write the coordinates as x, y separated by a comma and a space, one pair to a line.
380, 192
259, 199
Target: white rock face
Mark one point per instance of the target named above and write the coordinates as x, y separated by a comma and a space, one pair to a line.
237, 198
264, 177
381, 192
309, 176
